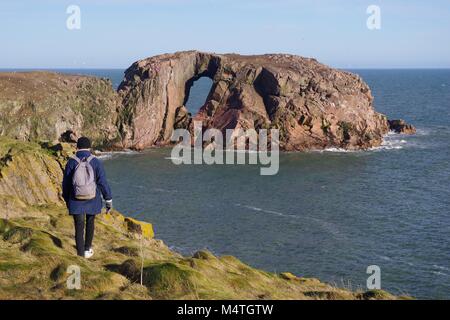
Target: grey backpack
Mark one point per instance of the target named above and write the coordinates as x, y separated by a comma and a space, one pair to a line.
83, 181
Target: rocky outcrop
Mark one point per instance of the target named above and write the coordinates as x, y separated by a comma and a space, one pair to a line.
29, 174
312, 105
400, 126
48, 106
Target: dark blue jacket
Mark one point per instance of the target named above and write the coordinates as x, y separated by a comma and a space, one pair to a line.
95, 205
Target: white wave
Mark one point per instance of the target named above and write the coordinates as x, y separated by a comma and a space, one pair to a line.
384, 258
111, 154
391, 145
391, 141
104, 156
439, 273
440, 267
327, 226
423, 132
266, 211
277, 213
164, 190
338, 150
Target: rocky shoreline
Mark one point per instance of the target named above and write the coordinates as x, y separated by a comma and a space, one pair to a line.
313, 106
37, 247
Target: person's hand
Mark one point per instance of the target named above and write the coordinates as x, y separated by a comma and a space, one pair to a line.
108, 205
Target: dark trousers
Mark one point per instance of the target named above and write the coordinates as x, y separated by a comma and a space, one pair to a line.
83, 243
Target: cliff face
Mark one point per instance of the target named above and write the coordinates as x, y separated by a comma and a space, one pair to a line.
43, 105
37, 246
29, 173
312, 105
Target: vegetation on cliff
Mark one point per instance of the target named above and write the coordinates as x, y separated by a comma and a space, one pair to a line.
37, 247
38, 106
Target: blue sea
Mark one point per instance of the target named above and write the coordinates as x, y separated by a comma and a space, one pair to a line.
327, 214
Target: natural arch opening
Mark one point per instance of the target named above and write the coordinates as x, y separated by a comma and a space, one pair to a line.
197, 91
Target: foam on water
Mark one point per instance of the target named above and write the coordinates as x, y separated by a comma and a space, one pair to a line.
391, 141
325, 225
267, 211
109, 155
439, 273
440, 267
385, 258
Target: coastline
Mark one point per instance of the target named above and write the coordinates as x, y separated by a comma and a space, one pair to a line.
37, 248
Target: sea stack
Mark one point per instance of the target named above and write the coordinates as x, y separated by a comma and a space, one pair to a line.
312, 105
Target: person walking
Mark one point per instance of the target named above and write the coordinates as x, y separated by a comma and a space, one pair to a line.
84, 185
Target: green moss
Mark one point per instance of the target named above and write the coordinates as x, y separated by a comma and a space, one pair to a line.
346, 128
325, 126
170, 280
17, 234
128, 251
4, 225
204, 255
7, 144
288, 276
6, 266
128, 269
43, 243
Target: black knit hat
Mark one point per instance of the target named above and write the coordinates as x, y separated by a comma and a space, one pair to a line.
83, 143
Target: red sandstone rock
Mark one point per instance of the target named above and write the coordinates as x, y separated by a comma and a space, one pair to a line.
313, 106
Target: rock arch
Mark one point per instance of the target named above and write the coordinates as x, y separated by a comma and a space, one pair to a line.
312, 105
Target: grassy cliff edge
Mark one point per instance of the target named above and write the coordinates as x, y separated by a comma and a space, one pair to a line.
37, 247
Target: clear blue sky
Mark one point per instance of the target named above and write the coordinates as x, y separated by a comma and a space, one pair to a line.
113, 34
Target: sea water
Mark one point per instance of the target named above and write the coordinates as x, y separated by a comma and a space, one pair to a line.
327, 214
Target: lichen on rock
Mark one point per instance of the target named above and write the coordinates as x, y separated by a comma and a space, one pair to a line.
29, 173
